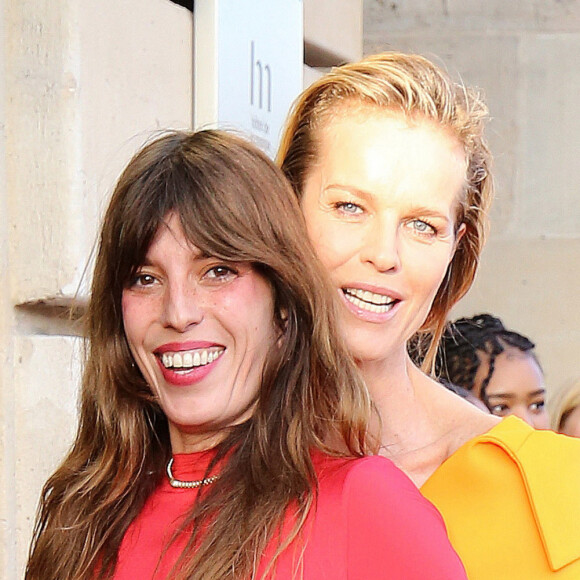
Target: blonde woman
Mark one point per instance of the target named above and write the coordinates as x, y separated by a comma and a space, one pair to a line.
565, 411
388, 160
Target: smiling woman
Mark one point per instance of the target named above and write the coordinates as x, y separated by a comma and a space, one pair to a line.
230, 305
388, 159
223, 427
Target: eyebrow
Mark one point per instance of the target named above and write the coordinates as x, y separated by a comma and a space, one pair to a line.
350, 189
505, 396
197, 256
367, 196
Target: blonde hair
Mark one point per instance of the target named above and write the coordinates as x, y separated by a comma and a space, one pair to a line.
235, 204
563, 405
413, 86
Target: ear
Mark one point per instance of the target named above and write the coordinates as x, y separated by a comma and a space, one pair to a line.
458, 235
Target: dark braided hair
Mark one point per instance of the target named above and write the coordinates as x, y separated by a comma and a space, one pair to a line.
457, 359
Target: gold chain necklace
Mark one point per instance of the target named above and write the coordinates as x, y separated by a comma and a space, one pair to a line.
188, 484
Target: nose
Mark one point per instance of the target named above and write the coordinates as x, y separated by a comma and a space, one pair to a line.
182, 307
523, 413
381, 245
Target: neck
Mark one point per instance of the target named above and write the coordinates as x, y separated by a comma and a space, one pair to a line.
422, 423
397, 388
184, 442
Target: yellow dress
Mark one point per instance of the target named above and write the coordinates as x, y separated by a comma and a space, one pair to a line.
511, 501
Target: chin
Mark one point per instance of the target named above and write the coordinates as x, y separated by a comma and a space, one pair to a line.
365, 353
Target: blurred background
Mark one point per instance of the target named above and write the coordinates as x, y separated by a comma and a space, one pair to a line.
84, 84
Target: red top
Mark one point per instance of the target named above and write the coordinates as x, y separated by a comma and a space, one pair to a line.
370, 521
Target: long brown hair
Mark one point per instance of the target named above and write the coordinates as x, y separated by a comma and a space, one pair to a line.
413, 86
234, 204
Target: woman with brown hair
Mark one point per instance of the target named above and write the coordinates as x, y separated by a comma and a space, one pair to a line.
222, 428
388, 160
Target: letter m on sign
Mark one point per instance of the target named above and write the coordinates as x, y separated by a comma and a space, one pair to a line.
260, 81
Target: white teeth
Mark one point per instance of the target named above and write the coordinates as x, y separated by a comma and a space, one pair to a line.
367, 296
189, 359
370, 301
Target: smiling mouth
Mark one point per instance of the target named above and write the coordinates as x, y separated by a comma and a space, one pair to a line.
189, 359
369, 301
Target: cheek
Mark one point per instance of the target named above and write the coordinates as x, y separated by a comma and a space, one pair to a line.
543, 421
135, 318
129, 316
430, 267
333, 243
246, 309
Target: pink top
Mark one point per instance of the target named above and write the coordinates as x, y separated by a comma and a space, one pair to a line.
369, 522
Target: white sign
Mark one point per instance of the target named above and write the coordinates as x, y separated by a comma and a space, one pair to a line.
247, 66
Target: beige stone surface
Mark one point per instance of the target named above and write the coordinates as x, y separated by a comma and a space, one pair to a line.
76, 110
532, 284
311, 74
332, 31
7, 512
473, 15
46, 371
549, 188
6, 381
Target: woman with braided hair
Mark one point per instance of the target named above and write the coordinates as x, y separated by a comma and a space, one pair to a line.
497, 365
388, 159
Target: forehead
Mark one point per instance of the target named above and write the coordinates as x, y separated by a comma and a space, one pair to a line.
387, 150
367, 116
171, 234
516, 373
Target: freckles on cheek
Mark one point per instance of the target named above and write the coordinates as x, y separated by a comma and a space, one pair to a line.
134, 315
125, 308
129, 307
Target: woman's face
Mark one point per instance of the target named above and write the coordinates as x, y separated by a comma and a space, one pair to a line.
380, 208
571, 425
516, 387
200, 330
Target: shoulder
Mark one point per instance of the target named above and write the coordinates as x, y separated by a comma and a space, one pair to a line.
373, 485
363, 474
514, 449
383, 522
535, 473
516, 444
533, 452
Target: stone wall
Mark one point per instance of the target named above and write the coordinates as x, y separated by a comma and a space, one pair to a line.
82, 86
524, 55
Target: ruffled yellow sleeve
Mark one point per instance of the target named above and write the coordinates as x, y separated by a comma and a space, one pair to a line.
511, 503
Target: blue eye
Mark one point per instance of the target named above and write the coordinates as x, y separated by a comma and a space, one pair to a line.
423, 227
348, 207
